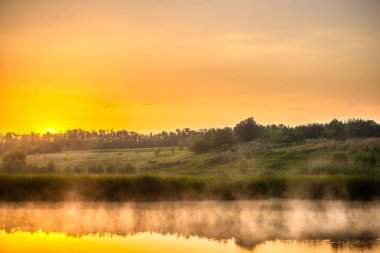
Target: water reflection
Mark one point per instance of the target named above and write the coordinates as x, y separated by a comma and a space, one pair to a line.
311, 226
42, 242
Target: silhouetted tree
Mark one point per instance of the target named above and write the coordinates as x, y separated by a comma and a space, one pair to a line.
202, 140
247, 130
222, 138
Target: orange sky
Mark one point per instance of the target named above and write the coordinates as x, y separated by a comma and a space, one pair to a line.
149, 65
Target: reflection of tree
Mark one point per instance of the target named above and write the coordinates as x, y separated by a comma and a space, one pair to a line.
248, 222
363, 244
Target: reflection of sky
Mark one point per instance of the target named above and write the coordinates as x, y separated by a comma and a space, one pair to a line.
40, 242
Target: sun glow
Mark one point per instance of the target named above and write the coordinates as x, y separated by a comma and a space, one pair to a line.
108, 66
142, 242
50, 130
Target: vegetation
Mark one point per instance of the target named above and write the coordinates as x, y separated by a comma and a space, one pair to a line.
339, 160
244, 167
14, 162
203, 140
247, 130
153, 188
255, 158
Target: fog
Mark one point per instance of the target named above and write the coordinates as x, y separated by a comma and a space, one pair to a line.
247, 222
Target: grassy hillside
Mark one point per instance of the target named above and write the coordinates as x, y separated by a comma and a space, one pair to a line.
310, 157
312, 170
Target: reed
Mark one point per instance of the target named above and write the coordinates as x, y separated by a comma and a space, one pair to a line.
157, 188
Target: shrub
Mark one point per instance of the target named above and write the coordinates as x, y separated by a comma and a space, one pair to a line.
365, 160
199, 144
50, 168
225, 147
96, 169
243, 166
340, 158
127, 169
78, 169
14, 162
181, 145
110, 170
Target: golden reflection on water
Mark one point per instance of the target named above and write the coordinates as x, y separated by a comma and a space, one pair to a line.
273, 226
142, 242
42, 242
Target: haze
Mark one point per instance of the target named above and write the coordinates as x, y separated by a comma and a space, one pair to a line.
159, 65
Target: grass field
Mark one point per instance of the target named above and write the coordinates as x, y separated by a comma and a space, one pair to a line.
306, 171
313, 157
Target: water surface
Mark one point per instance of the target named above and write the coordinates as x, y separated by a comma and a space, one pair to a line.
208, 226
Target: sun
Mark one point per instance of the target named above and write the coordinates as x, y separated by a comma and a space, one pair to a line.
50, 130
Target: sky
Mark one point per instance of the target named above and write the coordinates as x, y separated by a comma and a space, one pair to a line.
148, 66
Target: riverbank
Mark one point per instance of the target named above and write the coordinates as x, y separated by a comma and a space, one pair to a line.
159, 188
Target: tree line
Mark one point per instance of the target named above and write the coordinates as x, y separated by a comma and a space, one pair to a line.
248, 130
201, 140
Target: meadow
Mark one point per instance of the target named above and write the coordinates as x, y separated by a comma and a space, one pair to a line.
323, 169
310, 157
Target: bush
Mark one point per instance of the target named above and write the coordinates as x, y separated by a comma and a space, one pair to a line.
199, 144
68, 170
127, 169
14, 162
340, 158
365, 160
96, 169
243, 167
181, 145
78, 170
212, 139
50, 168
110, 170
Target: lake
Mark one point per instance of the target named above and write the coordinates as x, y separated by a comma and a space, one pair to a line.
198, 226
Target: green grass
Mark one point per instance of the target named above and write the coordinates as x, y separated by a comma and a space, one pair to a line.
154, 188
303, 171
311, 157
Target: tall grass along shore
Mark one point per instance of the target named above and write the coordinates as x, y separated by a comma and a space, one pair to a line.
157, 188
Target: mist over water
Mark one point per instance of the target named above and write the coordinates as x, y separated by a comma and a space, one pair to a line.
247, 222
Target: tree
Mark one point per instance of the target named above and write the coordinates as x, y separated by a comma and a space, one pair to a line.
222, 138
247, 130
336, 129
14, 162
